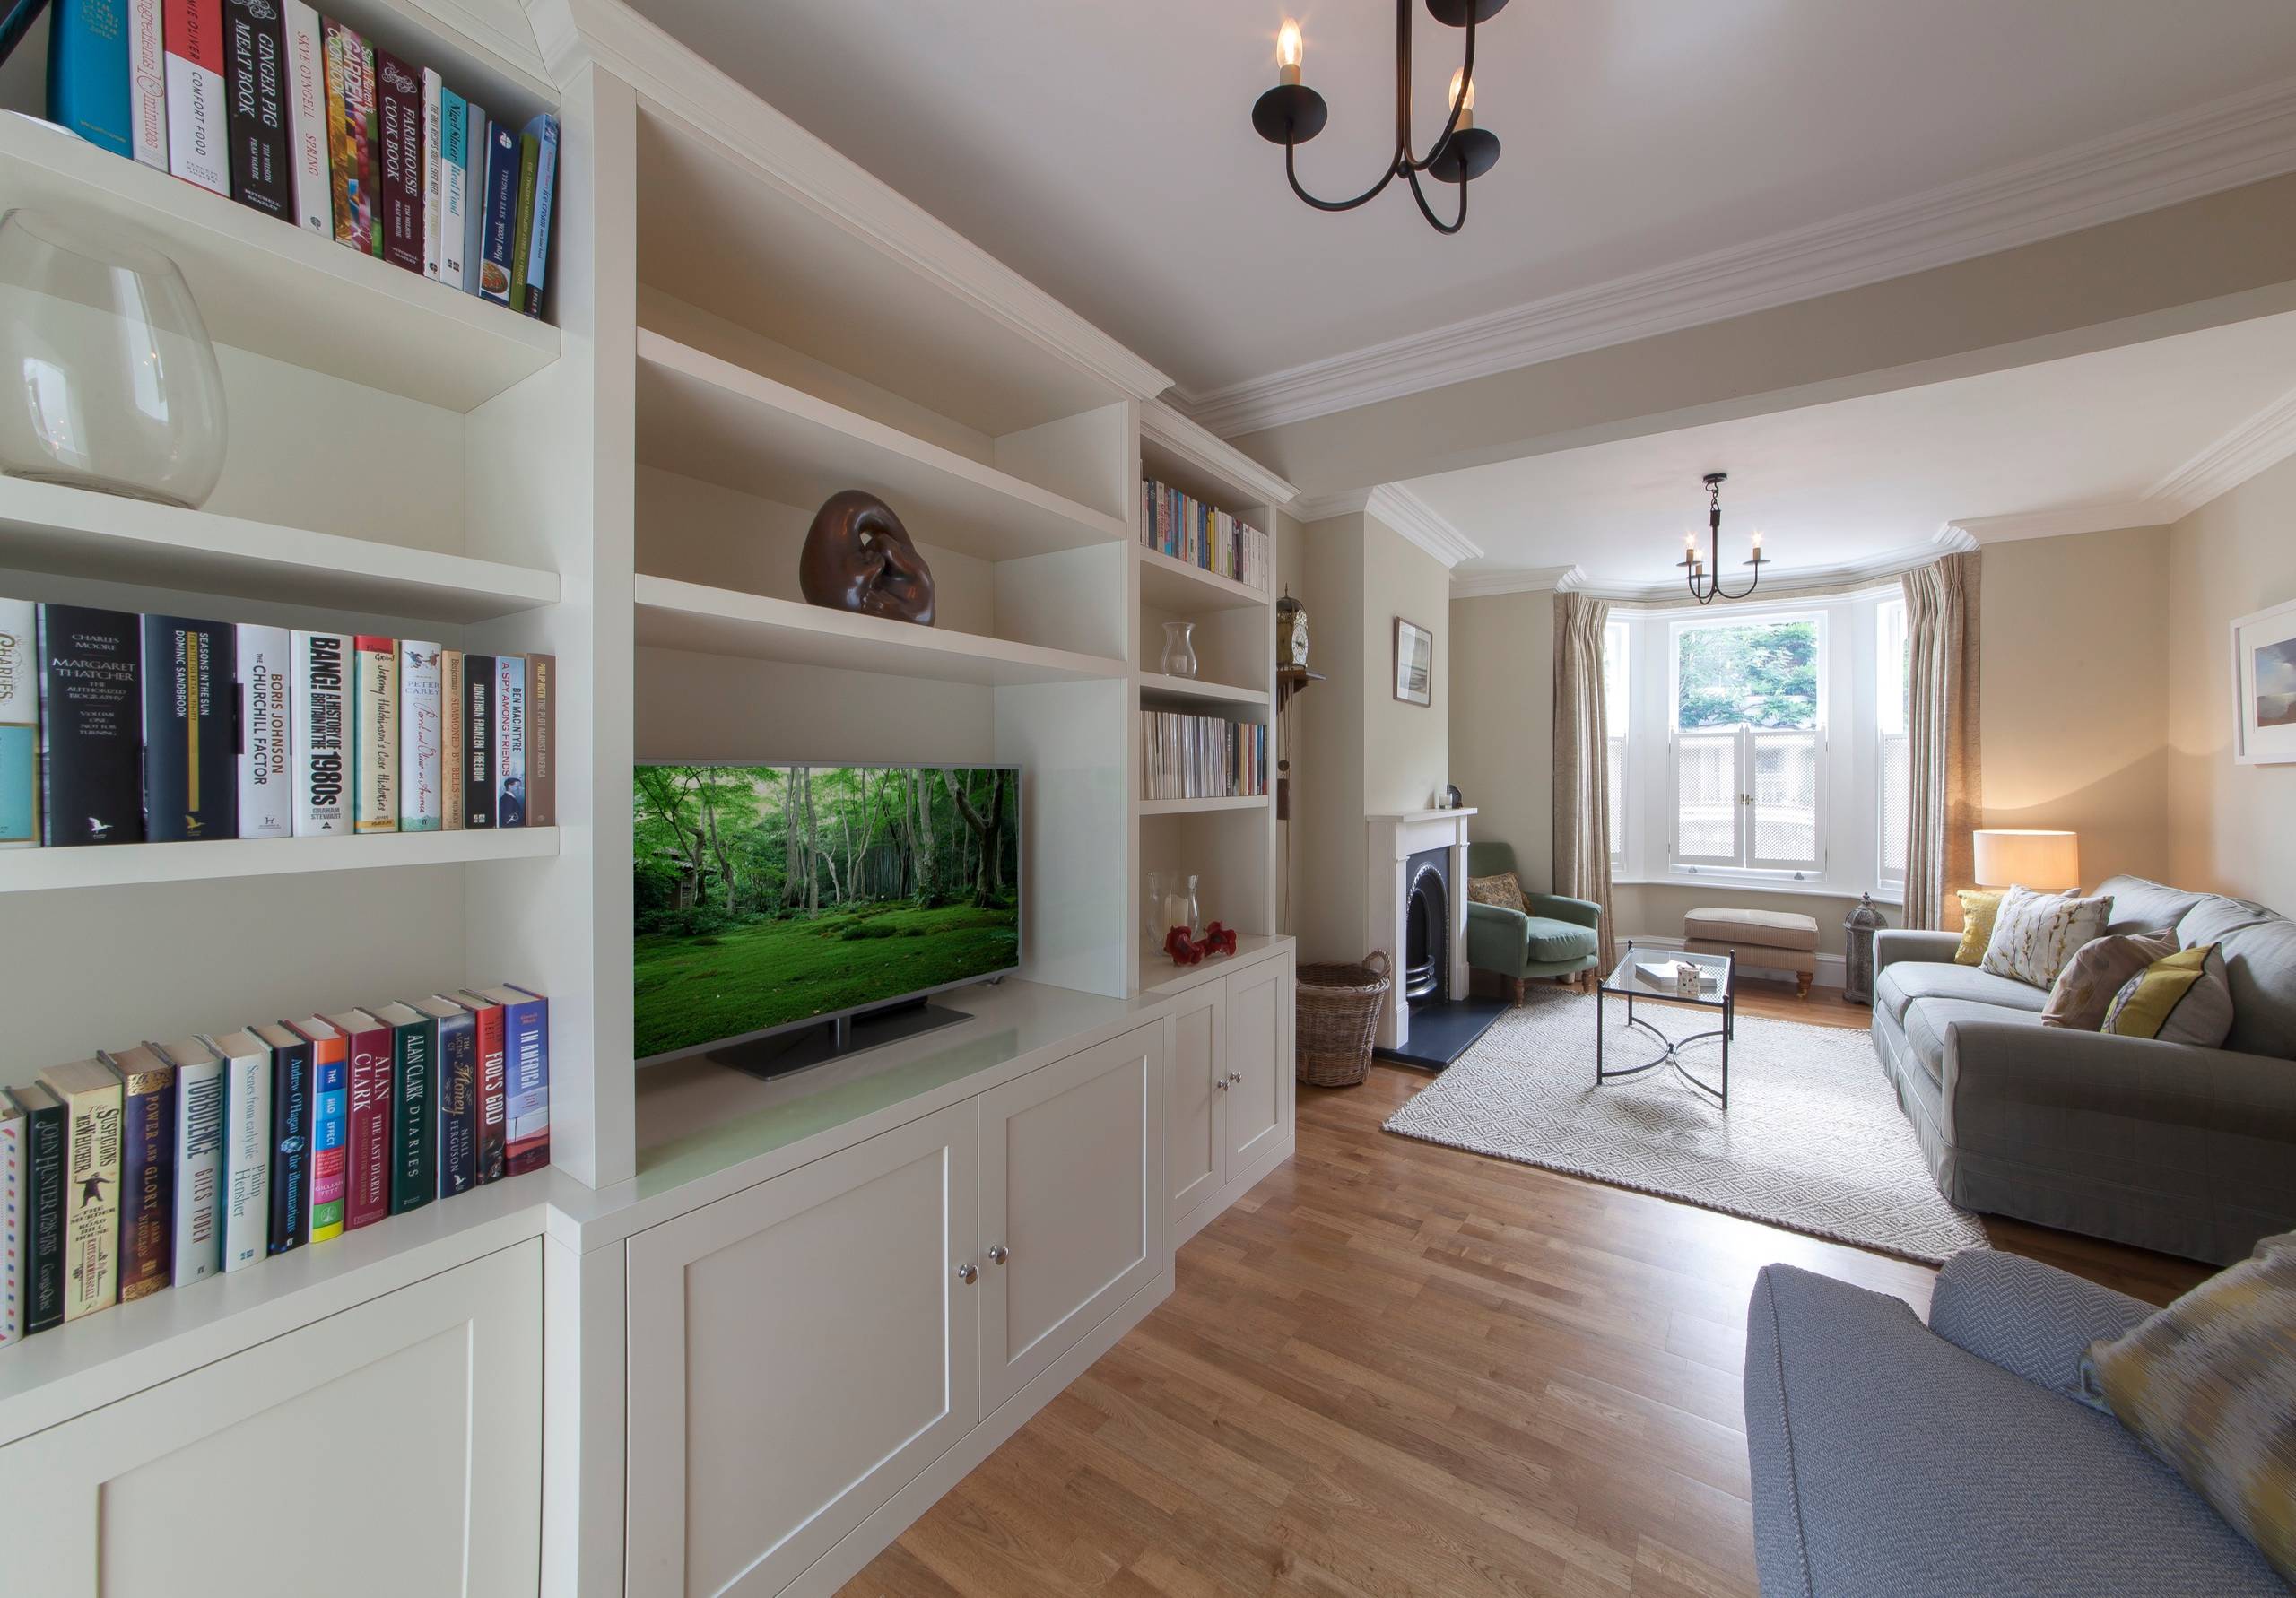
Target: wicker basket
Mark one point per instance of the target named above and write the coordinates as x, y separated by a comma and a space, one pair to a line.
1339, 1015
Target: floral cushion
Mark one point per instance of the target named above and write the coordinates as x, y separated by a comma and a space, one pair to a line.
2035, 933
1502, 889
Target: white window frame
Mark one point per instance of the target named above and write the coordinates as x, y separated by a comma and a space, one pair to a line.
1744, 823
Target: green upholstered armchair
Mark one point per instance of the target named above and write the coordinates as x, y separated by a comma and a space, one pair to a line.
1556, 939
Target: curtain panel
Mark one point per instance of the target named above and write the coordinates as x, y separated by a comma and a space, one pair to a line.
1945, 789
1582, 802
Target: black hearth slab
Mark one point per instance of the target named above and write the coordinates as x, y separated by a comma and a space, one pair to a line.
1441, 1033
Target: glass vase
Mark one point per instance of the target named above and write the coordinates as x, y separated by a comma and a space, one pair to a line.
1180, 907
112, 382
1153, 923
1179, 649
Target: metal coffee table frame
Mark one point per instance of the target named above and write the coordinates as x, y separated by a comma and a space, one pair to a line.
1622, 983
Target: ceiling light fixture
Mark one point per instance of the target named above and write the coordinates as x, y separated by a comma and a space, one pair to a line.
1695, 571
1292, 113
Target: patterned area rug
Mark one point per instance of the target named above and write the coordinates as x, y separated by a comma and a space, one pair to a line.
1812, 1139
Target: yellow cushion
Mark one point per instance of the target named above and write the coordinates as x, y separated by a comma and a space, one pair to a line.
2186, 998
2209, 1384
1978, 907
1503, 889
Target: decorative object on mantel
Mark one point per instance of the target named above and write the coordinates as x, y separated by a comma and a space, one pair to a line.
1857, 966
1694, 570
1450, 798
114, 381
2264, 687
1338, 1017
858, 557
1414, 664
1292, 113
1179, 650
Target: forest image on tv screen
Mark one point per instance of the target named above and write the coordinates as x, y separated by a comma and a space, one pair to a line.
767, 895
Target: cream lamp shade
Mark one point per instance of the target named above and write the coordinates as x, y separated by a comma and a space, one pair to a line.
2021, 858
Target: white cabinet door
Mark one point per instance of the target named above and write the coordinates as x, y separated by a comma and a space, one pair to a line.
797, 1352
1196, 1098
1073, 1212
393, 1448
1259, 1067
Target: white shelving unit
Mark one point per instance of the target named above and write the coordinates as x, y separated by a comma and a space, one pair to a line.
120, 865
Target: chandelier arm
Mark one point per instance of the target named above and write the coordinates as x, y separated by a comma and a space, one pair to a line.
1450, 126
1292, 174
1427, 211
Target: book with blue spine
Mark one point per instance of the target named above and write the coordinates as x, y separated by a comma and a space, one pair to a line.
526, 1041
88, 79
454, 186
543, 131
293, 1101
144, 1249
457, 1093
501, 212
474, 146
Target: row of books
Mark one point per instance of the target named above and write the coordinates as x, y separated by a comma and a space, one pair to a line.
1201, 757
121, 728
296, 116
1186, 528
165, 1163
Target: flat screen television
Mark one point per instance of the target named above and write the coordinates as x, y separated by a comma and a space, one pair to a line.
770, 899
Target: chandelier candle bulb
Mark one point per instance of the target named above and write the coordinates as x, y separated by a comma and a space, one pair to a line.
1288, 53
1467, 104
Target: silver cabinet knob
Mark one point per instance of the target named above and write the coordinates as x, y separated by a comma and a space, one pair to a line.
1220, 1082
998, 1254
1237, 1077
968, 1272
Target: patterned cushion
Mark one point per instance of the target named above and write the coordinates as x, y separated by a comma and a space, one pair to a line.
2185, 998
1504, 890
1979, 907
2209, 1384
2035, 933
2084, 989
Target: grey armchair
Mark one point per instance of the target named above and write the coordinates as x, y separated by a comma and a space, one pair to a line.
1556, 937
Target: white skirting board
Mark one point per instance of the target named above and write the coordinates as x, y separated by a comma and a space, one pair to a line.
1831, 966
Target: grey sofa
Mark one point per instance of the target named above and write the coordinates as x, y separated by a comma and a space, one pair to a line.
2188, 1151
1894, 1458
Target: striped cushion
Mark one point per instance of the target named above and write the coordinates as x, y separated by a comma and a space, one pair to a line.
2185, 998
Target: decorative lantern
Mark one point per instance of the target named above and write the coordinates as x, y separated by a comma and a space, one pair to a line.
1861, 923
1291, 633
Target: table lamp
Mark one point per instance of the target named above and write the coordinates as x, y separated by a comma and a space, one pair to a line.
2023, 857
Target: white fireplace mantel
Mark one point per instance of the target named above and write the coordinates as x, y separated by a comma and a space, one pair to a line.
1394, 839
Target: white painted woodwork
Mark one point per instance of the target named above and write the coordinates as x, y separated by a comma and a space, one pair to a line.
28, 871
394, 1448
1182, 807
1173, 584
1393, 840
1082, 458
1198, 696
1071, 1157
798, 1351
1196, 1089
1076, 920
1259, 1064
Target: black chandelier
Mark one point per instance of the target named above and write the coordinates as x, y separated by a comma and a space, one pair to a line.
1694, 569
1292, 113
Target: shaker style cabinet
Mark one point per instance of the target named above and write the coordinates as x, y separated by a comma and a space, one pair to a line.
1228, 1089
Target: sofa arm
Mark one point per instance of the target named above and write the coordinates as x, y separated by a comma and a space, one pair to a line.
1556, 907
2031, 1319
1498, 939
1892, 944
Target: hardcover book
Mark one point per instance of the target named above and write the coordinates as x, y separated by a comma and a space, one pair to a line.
434, 161
246, 1147
478, 741
19, 724
420, 735
322, 752
541, 741
454, 186
44, 1204
88, 89
367, 1195
262, 660
456, 1092
486, 1021
350, 101
196, 1249
255, 56
92, 726
500, 213
398, 106
413, 1095
330, 1127
147, 81
374, 734
451, 702
525, 1112
475, 147
15, 1264
509, 741
522, 218
294, 1099
370, 153
90, 1092
147, 1167
307, 119
191, 789
543, 131
198, 126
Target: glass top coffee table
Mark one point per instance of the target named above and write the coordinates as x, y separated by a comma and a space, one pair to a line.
1632, 981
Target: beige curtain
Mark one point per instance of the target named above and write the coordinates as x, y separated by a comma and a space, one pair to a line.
1582, 800
1946, 787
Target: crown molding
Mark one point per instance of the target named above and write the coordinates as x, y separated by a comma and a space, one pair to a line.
1411, 517
2239, 139
1538, 579
1949, 538
2263, 440
2064, 523
573, 34
1213, 455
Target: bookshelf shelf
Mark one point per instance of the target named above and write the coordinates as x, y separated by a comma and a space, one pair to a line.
276, 289
1160, 692
33, 870
69, 532
1169, 585
1193, 807
702, 417
1158, 975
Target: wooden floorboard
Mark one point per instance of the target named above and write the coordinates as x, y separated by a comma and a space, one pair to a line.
1393, 1368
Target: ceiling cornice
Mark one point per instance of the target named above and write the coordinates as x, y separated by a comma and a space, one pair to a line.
2065, 522
1949, 538
2239, 139
2263, 440
1411, 517
1538, 579
1210, 453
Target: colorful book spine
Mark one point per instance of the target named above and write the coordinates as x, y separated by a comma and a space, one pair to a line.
90, 726
452, 716
541, 741
453, 185
478, 741
322, 749
457, 1093
509, 741
475, 142
147, 80
19, 724
330, 1128
367, 1195
255, 56
501, 213
543, 131
198, 118
398, 107
246, 1147
349, 97
522, 216
370, 153
307, 118
434, 174
414, 1104
294, 1099
16, 1234
88, 89
421, 737
525, 1035
195, 1251
262, 661
486, 1020
45, 1201
374, 732
147, 1161
191, 788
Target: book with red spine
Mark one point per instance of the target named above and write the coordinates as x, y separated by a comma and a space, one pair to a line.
398, 107
198, 107
526, 1070
330, 1161
493, 1086
366, 1194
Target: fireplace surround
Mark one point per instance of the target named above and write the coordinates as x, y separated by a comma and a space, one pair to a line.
1427, 849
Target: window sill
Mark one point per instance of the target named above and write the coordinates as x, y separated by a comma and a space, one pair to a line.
1757, 884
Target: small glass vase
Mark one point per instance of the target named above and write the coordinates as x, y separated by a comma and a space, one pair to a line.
1152, 911
108, 379
1179, 649
1180, 909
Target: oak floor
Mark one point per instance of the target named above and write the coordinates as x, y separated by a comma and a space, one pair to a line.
1395, 1368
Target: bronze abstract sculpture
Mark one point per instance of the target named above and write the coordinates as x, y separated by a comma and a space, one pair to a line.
858, 557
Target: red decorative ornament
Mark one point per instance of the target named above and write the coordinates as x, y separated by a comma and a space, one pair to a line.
1185, 951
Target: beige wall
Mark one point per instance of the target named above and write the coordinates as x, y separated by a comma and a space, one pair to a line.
1406, 747
1502, 724
2228, 824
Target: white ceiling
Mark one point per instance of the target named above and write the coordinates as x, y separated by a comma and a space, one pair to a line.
1104, 151
1845, 483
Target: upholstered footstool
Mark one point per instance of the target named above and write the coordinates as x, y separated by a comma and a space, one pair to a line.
1775, 940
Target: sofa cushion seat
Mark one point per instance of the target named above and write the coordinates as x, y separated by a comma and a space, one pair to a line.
1552, 940
1901, 983
1926, 1021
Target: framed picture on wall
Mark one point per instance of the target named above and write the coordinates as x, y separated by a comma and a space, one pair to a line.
1414, 664
2264, 687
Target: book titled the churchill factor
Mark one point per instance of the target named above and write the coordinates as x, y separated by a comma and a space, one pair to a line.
510, 741
90, 726
147, 1167
267, 697
374, 732
191, 789
19, 724
478, 741
421, 734
322, 752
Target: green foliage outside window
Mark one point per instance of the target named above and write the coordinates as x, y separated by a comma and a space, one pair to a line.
1758, 674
